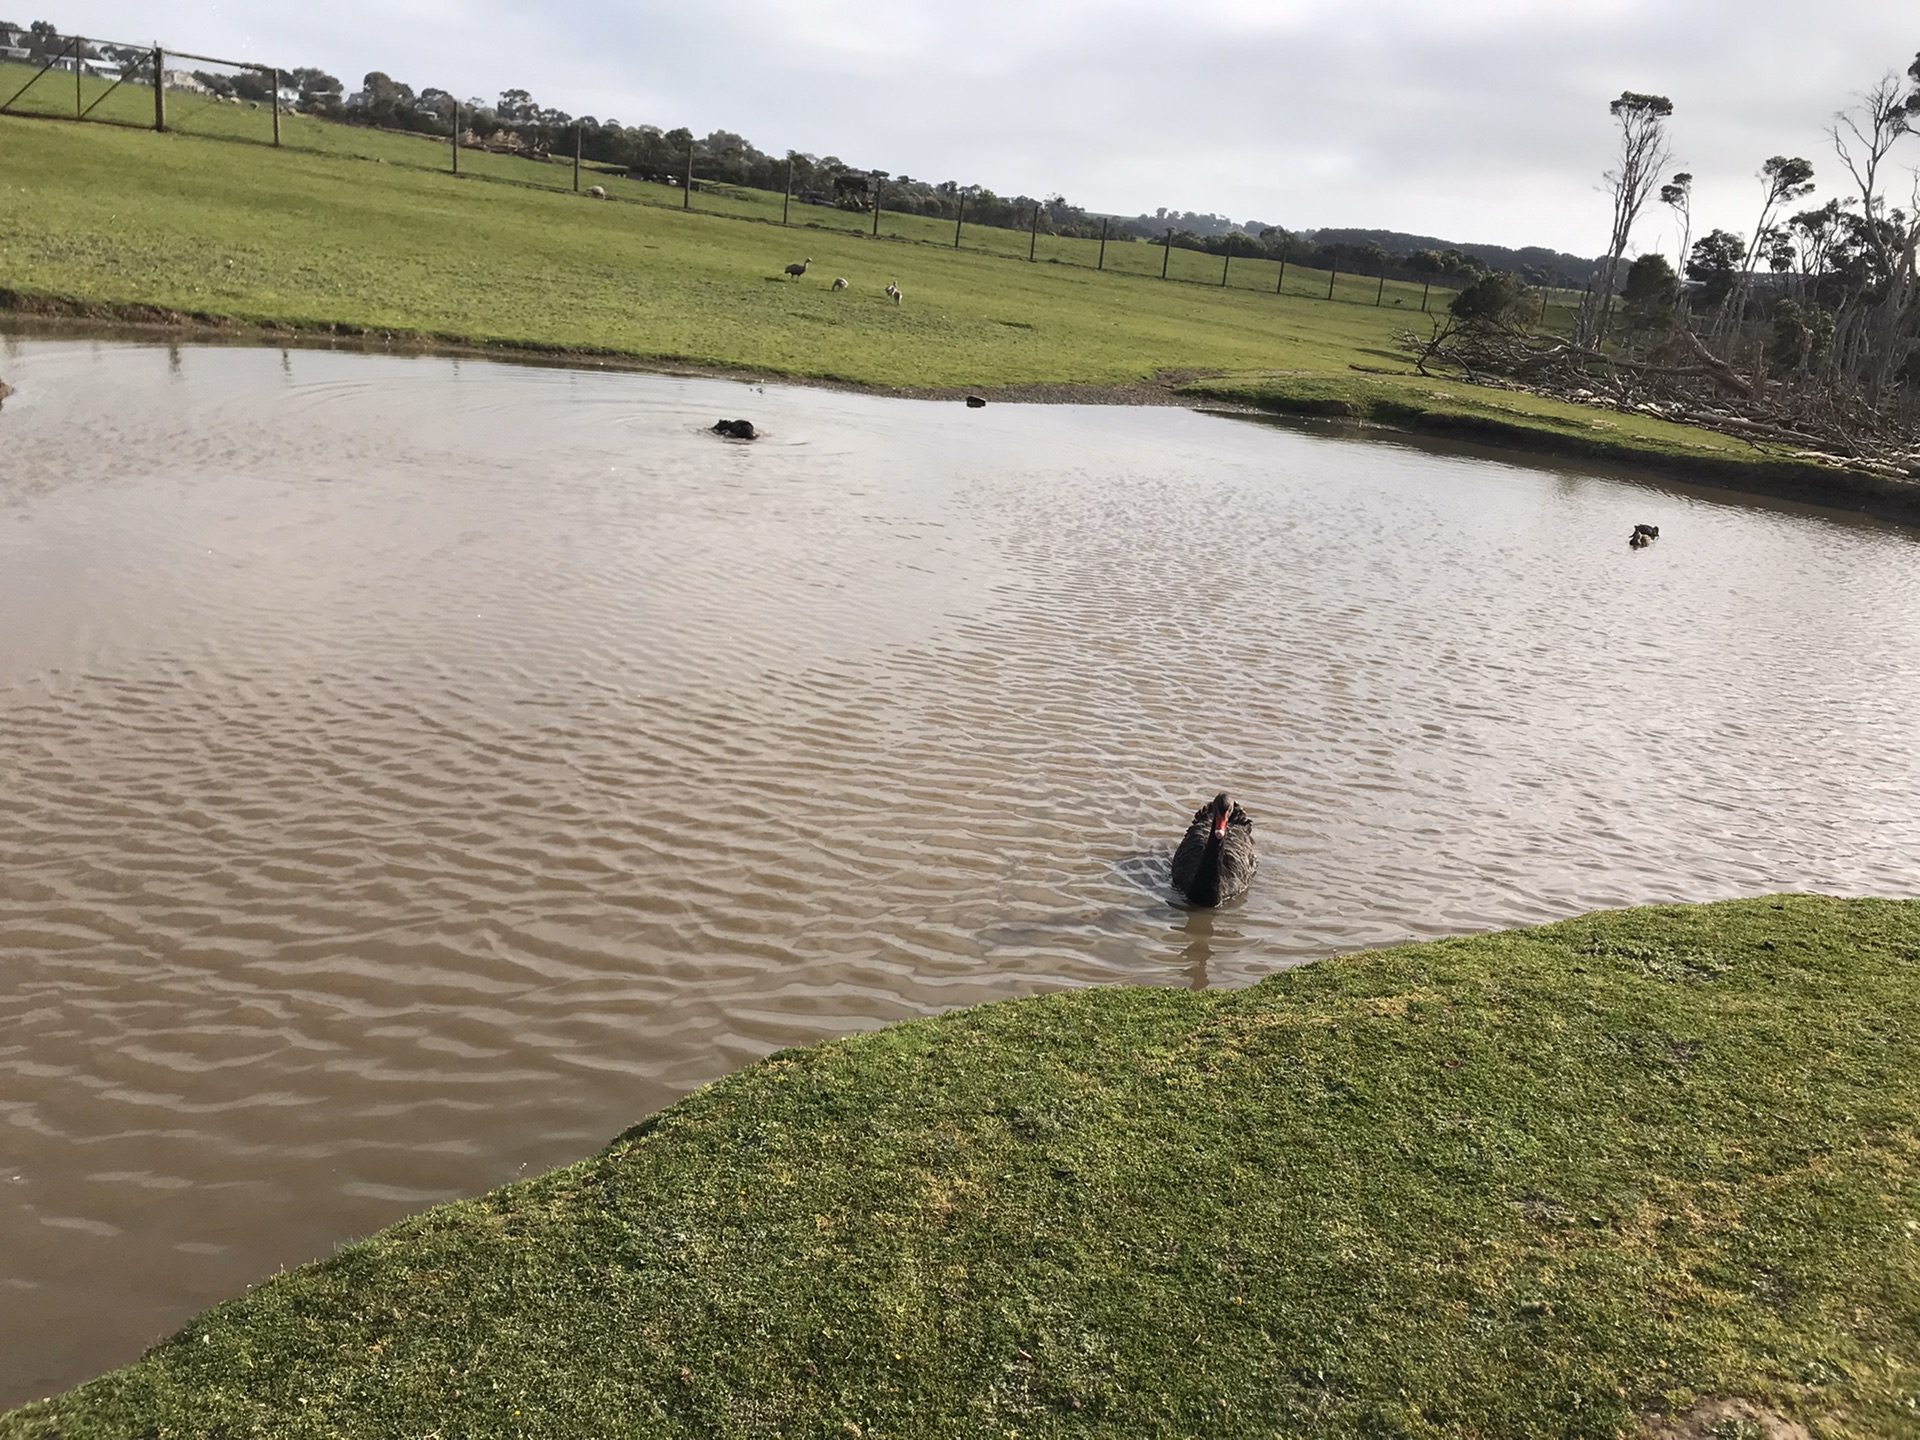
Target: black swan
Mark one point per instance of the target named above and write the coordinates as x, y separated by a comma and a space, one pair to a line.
1215, 861
1643, 536
736, 429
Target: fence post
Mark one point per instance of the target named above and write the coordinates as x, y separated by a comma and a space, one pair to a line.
577, 143
456, 137
159, 89
957, 219
1166, 255
1103, 244
1333, 274
1033, 233
1283, 273
1425, 286
1382, 289
78, 46
686, 195
276, 107
786, 201
879, 190
1224, 264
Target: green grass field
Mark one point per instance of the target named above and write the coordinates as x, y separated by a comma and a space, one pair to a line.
354, 229
1557, 1182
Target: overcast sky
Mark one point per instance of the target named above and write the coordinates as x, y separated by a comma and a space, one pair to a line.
1475, 120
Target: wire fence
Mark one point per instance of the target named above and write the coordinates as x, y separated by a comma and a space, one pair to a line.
44, 74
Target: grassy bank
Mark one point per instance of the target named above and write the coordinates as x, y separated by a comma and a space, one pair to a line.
1543, 426
1569, 1181
357, 231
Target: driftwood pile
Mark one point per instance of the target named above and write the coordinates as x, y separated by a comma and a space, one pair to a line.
1677, 378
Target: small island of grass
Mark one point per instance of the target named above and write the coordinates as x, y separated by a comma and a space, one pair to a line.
1641, 1172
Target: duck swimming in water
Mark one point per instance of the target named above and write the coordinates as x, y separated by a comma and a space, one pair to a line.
1215, 861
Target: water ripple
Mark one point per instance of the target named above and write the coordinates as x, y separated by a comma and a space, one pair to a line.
417, 770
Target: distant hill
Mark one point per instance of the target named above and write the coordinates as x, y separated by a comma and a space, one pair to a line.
1532, 262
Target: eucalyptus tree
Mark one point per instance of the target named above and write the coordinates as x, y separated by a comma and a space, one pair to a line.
1643, 154
1782, 179
1677, 196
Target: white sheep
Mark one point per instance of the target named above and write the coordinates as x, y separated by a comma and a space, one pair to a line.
598, 192
841, 283
893, 289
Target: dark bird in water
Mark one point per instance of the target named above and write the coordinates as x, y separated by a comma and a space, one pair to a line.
1215, 861
976, 402
738, 429
796, 271
1643, 536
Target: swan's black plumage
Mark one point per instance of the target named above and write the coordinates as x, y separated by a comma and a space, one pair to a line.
1215, 861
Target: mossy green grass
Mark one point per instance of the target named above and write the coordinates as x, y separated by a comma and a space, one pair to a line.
1564, 1181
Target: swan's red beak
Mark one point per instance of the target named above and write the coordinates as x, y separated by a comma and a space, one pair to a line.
1220, 824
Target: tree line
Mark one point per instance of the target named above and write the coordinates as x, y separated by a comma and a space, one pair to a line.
1801, 323
517, 123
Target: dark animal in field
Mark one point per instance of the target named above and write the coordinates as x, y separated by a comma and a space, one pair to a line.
1215, 861
796, 271
852, 192
735, 429
976, 402
893, 289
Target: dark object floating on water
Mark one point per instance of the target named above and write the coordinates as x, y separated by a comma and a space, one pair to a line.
738, 429
5, 390
1643, 536
976, 402
1215, 861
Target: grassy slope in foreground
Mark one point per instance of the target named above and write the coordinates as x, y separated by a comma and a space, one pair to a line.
343, 233
1547, 1182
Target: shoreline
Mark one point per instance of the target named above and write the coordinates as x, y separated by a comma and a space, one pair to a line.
1803, 482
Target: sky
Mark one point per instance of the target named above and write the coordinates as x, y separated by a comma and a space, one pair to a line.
1473, 120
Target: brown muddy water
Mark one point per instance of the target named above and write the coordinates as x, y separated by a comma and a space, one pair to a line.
414, 771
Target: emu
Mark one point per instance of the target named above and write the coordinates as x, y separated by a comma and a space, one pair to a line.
796, 271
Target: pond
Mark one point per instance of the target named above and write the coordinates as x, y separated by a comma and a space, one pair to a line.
417, 770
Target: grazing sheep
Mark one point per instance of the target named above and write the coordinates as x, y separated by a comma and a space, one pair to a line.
841, 283
796, 271
598, 192
893, 289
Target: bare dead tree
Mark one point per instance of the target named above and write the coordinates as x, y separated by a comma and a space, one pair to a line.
1863, 137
